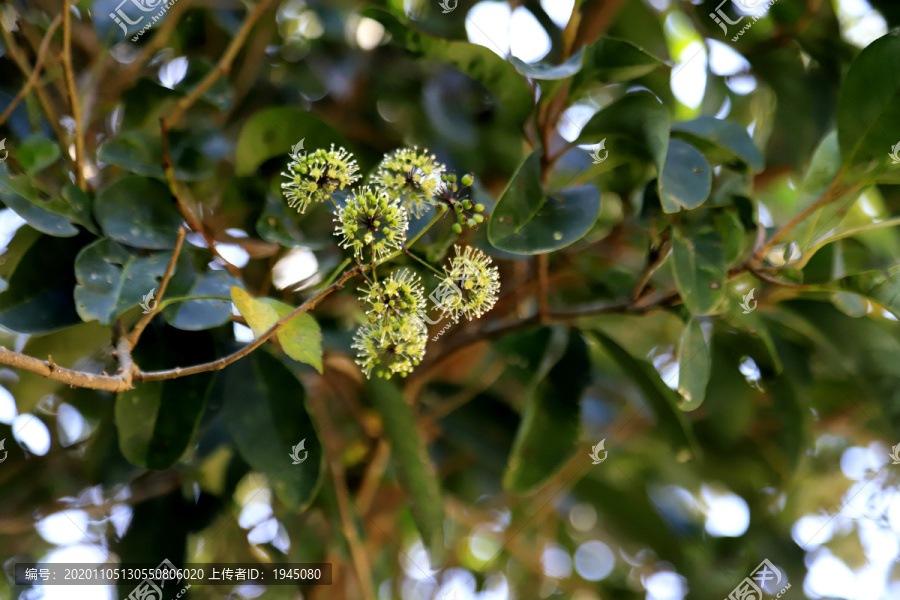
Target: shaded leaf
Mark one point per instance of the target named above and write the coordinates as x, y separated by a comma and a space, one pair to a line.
140, 152
548, 433
47, 215
723, 141
139, 212
528, 221
197, 298
265, 415
37, 153
686, 178
694, 363
882, 287
699, 268
414, 467
541, 70
610, 59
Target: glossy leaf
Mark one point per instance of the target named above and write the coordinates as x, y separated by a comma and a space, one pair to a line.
274, 132
47, 215
301, 338
694, 363
414, 467
140, 152
139, 212
722, 141
36, 154
611, 60
541, 70
528, 221
699, 268
264, 411
197, 298
548, 434
868, 113
113, 278
686, 178
636, 124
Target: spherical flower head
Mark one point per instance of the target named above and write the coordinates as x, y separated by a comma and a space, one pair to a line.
396, 297
470, 285
315, 176
371, 219
410, 175
388, 347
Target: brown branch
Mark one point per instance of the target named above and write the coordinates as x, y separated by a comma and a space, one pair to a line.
542, 268
38, 65
74, 378
655, 259
139, 327
73, 94
227, 360
223, 67
193, 222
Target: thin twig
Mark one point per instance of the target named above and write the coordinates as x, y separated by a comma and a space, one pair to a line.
73, 94
223, 67
38, 65
192, 221
542, 267
138, 329
655, 260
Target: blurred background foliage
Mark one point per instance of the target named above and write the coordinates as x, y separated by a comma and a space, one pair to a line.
731, 163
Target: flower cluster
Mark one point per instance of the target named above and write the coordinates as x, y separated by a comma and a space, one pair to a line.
313, 177
372, 223
371, 218
411, 176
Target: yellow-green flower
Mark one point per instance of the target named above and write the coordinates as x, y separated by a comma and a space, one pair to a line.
470, 284
315, 176
410, 175
396, 298
371, 219
387, 347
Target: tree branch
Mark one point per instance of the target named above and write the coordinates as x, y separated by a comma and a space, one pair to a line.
194, 223
138, 329
35, 73
73, 94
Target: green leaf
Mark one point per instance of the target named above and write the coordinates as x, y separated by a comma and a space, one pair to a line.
868, 113
528, 221
274, 131
37, 153
694, 363
113, 278
39, 297
699, 268
415, 469
197, 298
301, 338
140, 152
611, 60
47, 215
686, 178
548, 433
139, 212
542, 70
80, 205
265, 415
722, 141
636, 124
478, 62
882, 287
662, 400
220, 94
156, 420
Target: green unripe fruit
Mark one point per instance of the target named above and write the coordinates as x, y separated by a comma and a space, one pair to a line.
478, 218
479, 207
457, 228
468, 180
